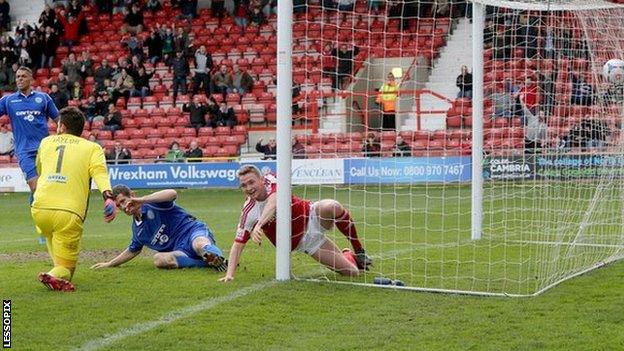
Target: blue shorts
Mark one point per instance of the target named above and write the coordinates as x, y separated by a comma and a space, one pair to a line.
27, 162
186, 245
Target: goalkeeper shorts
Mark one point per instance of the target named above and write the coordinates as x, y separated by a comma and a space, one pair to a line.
63, 229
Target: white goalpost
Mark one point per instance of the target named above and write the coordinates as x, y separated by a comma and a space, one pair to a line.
504, 182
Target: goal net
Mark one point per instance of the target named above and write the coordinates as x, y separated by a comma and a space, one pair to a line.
391, 126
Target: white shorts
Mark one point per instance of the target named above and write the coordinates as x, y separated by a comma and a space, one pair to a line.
314, 236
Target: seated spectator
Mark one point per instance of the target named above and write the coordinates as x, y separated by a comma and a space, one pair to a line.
102, 102
76, 92
535, 131
582, 92
154, 44
93, 139
269, 150
49, 44
503, 102
464, 83
401, 148
181, 71
298, 150
174, 154
71, 27
194, 152
105, 71
153, 6
119, 155
7, 142
133, 20
223, 116
71, 69
141, 83
5, 18
64, 85
242, 82
197, 112
222, 81
89, 108
203, 65
371, 147
134, 44
60, 98
124, 85
112, 120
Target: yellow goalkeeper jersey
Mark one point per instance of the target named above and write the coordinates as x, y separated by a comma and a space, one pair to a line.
66, 164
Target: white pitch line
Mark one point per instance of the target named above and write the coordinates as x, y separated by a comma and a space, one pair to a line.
566, 243
140, 328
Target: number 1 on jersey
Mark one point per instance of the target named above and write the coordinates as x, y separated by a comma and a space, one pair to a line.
59, 163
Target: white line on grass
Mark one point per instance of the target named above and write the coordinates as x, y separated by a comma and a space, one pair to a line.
140, 328
565, 243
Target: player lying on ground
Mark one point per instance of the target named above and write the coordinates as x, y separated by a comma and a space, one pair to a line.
66, 164
310, 221
158, 223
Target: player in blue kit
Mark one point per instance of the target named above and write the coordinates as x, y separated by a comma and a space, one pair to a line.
158, 223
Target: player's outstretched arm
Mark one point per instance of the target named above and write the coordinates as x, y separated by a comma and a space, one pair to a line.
235, 252
165, 195
122, 258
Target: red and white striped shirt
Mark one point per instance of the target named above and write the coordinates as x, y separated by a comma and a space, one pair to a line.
252, 210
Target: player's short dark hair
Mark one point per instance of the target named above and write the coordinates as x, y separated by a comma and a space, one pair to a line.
73, 119
24, 68
246, 169
120, 189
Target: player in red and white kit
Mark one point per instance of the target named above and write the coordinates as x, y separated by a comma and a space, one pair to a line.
310, 221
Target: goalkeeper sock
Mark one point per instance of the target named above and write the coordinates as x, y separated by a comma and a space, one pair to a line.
187, 262
60, 272
347, 227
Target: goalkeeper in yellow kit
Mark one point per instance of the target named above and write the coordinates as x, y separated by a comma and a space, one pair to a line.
66, 163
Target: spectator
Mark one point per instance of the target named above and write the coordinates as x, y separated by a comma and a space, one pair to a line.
154, 46
203, 65
71, 68
25, 57
103, 72
134, 44
526, 37
464, 83
549, 44
256, 17
71, 26
547, 90
587, 133
194, 152
224, 116
119, 155
75, 9
86, 65
218, 9
180, 71
181, 41
123, 86
141, 83
102, 102
241, 16
174, 154
47, 17
387, 97
189, 9
298, 150
168, 43
371, 147
344, 64
503, 102
112, 120
76, 92
7, 142
49, 44
528, 95
269, 150
242, 82
135, 64
197, 112
89, 108
60, 98
221, 81
153, 6
5, 18
93, 139
401, 148
133, 20
582, 92
535, 131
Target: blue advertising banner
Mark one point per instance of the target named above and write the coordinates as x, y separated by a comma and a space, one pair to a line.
175, 175
407, 170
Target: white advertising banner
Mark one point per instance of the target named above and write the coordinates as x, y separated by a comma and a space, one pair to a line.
12, 180
318, 171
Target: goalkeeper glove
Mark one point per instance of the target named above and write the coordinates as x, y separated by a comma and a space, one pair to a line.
110, 210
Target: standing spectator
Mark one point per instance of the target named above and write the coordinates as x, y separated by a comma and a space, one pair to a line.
5, 18
86, 65
71, 68
168, 43
197, 112
529, 95
154, 46
547, 90
256, 17
141, 83
181, 41
371, 147
464, 83
59, 97
153, 6
102, 73
194, 152
134, 44
47, 17
218, 9
174, 154
49, 44
241, 17
119, 155
344, 64
298, 150
221, 81
203, 65
269, 150
535, 130
25, 58
180, 71
112, 121
7, 142
387, 97
242, 82
401, 148
71, 26
224, 116
133, 20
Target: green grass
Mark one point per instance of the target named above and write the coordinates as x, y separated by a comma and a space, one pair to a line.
585, 313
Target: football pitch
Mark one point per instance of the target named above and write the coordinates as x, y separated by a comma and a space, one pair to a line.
418, 235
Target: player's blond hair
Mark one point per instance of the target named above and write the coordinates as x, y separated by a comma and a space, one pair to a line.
246, 169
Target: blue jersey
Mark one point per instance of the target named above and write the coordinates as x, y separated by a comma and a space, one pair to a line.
163, 227
29, 118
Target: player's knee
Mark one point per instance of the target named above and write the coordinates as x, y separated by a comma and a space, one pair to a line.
164, 261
